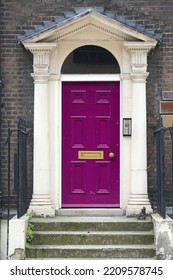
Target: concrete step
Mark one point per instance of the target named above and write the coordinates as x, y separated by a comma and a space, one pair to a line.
91, 224
82, 212
91, 251
93, 237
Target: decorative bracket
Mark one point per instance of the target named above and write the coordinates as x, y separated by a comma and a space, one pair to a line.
41, 53
139, 52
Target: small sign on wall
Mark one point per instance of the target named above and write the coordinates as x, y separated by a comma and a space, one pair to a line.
167, 120
166, 107
167, 95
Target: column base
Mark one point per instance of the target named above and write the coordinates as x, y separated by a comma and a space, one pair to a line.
136, 203
41, 206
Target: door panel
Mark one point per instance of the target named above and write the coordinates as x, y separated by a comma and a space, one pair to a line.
90, 131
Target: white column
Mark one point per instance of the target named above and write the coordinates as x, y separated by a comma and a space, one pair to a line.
55, 138
139, 191
126, 101
41, 204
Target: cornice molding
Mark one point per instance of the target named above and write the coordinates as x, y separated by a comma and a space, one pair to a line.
139, 46
45, 47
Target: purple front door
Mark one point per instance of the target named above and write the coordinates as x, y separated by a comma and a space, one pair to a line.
90, 144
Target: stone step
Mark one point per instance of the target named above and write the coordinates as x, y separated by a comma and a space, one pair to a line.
90, 251
82, 212
91, 224
93, 237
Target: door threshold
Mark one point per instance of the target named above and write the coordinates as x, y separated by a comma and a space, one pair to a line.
101, 212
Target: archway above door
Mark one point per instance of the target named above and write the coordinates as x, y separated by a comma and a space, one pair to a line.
90, 59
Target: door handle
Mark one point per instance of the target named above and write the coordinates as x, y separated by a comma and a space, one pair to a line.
111, 155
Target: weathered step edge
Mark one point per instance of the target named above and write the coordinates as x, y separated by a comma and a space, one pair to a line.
114, 251
62, 238
56, 225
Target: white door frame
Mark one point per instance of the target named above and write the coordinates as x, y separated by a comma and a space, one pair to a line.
82, 78
50, 49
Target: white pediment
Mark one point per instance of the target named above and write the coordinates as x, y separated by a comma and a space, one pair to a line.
92, 25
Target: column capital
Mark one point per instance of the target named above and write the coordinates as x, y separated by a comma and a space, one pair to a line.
139, 77
41, 53
40, 78
138, 52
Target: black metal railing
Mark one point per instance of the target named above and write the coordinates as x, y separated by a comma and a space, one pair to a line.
22, 190
18, 174
1, 106
164, 149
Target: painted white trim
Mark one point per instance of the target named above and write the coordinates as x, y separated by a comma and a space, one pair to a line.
121, 145
84, 78
90, 78
60, 145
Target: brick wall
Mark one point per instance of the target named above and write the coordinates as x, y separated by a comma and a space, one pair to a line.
19, 15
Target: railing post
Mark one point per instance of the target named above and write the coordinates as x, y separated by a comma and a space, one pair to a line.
160, 169
22, 169
22, 172
18, 173
9, 181
158, 165
171, 133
